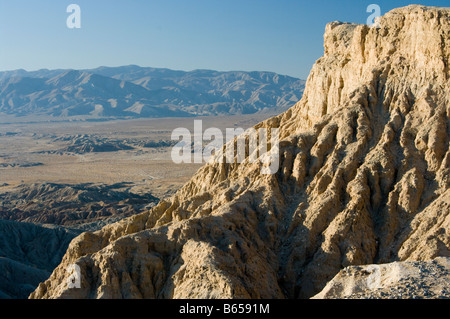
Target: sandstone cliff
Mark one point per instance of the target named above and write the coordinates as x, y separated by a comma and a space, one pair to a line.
364, 179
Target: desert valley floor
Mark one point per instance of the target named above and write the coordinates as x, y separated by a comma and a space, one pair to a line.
131, 151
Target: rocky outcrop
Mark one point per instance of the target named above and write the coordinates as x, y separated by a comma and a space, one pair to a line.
399, 280
363, 179
83, 145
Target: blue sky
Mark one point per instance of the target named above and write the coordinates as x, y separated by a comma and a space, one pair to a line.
283, 36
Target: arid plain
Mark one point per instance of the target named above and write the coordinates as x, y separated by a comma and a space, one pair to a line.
132, 151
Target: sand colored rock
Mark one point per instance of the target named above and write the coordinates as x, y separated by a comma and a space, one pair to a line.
399, 280
363, 179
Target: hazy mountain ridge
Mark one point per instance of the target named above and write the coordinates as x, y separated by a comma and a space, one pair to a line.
132, 91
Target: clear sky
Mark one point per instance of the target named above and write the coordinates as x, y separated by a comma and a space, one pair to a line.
283, 36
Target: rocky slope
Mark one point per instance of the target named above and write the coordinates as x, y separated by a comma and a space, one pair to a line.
364, 179
399, 280
28, 255
132, 91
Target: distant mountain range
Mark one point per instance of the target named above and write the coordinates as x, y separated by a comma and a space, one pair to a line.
135, 92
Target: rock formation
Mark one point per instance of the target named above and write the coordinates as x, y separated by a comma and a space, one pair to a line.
399, 280
364, 179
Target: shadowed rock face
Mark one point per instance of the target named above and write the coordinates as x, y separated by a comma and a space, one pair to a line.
28, 255
363, 179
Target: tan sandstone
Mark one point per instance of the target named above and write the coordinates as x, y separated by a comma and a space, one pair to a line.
364, 179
